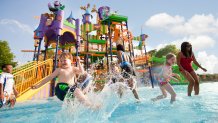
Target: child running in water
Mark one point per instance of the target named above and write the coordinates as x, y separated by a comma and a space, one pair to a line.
8, 92
184, 61
127, 68
164, 78
66, 76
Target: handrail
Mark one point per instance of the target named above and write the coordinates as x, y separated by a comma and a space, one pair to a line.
32, 75
18, 68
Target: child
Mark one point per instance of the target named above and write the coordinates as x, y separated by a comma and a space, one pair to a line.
8, 92
66, 76
164, 79
184, 61
125, 64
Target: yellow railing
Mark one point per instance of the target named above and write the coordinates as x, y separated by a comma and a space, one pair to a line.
32, 75
19, 68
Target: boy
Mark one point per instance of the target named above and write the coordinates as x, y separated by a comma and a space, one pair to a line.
8, 92
126, 66
66, 76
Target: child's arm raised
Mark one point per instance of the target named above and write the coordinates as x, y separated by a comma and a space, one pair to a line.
47, 79
78, 69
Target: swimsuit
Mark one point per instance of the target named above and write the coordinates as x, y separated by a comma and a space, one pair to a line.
62, 88
161, 79
163, 83
126, 66
186, 63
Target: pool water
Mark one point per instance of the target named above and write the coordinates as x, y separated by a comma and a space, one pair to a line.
195, 109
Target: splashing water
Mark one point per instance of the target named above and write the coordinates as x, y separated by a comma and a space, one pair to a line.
197, 109
109, 99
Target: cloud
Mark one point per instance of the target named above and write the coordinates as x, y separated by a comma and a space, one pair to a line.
210, 62
178, 25
198, 42
12, 22
163, 20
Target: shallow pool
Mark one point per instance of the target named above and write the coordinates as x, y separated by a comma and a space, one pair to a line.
195, 109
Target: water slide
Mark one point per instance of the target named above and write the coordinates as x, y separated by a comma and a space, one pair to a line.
30, 74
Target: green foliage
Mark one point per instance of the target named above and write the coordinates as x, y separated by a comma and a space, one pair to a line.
167, 49
6, 56
152, 52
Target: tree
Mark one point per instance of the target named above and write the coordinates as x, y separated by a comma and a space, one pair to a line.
152, 52
6, 56
167, 49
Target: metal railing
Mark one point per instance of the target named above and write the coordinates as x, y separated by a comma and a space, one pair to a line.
29, 76
27, 65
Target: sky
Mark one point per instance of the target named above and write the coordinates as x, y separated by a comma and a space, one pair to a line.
164, 21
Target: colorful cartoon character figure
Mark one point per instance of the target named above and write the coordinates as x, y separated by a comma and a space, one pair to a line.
57, 6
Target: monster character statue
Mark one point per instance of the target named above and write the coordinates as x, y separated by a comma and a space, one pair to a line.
104, 12
57, 6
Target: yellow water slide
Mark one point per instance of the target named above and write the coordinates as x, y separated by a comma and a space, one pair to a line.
30, 74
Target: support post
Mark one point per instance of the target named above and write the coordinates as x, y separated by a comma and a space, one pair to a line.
39, 49
149, 68
45, 54
56, 53
122, 32
34, 55
109, 33
131, 52
87, 50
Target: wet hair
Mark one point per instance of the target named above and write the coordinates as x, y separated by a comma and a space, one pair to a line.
120, 47
170, 55
5, 66
184, 46
66, 56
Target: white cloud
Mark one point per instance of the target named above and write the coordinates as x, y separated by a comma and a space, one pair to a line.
210, 62
197, 24
164, 20
11, 22
198, 42
159, 46
200, 30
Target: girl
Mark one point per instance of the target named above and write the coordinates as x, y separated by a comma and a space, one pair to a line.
184, 61
164, 79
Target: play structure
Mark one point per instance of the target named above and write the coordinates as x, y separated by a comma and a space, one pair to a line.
92, 41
